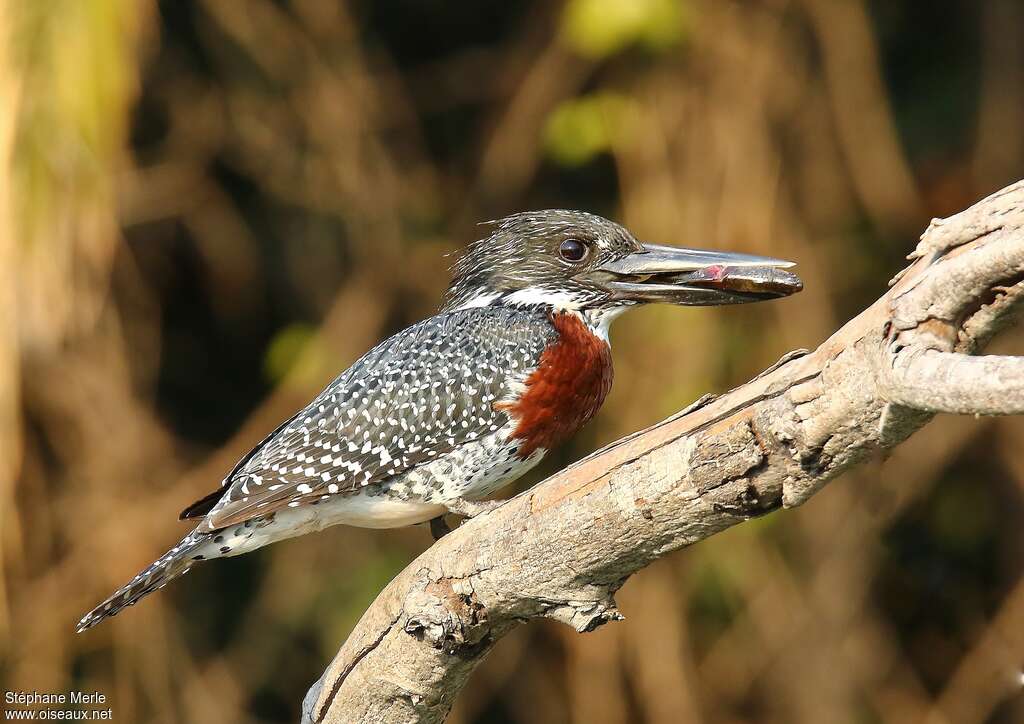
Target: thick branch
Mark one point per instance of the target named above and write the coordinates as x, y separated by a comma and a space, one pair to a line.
562, 549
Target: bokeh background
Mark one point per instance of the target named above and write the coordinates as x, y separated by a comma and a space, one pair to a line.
209, 208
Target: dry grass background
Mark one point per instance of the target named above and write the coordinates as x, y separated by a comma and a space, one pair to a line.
208, 208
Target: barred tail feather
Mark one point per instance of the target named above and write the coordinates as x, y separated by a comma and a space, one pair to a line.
173, 563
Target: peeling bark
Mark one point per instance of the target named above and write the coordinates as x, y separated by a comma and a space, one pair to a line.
562, 549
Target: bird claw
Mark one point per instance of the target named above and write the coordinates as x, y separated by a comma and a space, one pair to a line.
439, 527
467, 509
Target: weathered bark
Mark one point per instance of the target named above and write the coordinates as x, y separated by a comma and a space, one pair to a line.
562, 549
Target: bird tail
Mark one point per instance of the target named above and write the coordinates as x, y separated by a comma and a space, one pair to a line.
173, 563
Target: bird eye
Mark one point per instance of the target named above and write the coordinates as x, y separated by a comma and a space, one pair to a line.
572, 250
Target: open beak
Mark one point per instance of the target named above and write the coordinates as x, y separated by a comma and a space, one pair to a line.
696, 277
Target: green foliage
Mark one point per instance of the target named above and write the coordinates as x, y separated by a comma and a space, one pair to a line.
961, 515
69, 135
346, 596
294, 353
599, 28
581, 128
715, 600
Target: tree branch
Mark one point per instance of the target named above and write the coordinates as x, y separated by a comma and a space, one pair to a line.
952, 382
562, 549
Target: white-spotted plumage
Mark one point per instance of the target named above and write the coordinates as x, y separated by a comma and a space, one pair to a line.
426, 393
425, 419
410, 426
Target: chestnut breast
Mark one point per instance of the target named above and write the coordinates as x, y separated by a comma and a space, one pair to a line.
565, 390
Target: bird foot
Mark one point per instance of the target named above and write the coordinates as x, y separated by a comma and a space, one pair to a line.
439, 527
473, 508
467, 509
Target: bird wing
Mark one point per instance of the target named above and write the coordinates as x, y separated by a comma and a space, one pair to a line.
416, 396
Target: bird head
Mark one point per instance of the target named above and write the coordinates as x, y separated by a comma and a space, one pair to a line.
571, 260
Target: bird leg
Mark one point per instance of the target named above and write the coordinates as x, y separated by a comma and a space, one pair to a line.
467, 509
472, 508
439, 527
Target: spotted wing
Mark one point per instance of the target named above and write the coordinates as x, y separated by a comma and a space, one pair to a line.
416, 396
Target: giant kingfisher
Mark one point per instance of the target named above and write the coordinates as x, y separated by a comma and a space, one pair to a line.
438, 417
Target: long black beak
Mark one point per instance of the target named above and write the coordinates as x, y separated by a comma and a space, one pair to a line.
696, 277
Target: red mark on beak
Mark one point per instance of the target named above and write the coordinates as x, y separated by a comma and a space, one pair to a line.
715, 272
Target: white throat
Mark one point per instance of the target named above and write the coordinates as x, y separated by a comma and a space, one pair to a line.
597, 320
527, 297
539, 296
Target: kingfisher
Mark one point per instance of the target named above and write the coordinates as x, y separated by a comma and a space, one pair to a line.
441, 415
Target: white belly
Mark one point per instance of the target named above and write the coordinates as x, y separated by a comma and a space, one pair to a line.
363, 511
472, 472
381, 511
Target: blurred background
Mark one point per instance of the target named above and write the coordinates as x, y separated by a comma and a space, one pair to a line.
208, 208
